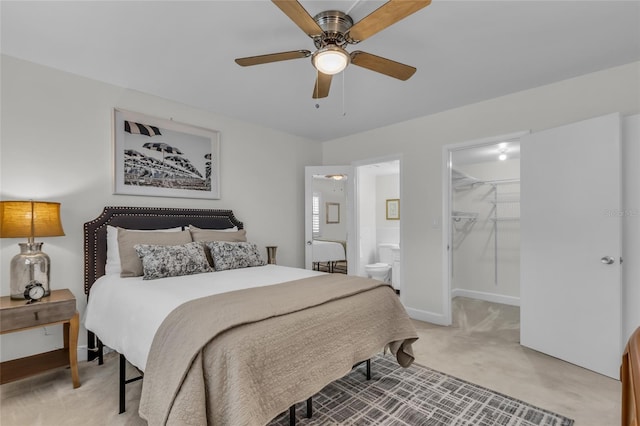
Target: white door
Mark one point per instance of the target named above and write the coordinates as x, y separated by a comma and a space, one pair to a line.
571, 243
320, 185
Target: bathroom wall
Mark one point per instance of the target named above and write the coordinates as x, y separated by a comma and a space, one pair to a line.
474, 271
366, 218
387, 187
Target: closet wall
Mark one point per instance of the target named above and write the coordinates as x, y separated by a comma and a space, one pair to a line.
486, 231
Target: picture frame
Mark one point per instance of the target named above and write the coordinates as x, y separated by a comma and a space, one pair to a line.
393, 209
163, 158
332, 212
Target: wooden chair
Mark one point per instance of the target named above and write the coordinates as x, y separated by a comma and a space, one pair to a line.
630, 377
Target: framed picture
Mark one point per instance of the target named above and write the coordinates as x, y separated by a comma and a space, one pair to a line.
333, 212
163, 158
393, 209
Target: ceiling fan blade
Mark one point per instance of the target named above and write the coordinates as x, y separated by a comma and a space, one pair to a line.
299, 16
382, 65
322, 86
383, 17
272, 57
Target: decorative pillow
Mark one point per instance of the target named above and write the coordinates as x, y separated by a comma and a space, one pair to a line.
234, 255
129, 260
172, 261
113, 252
217, 235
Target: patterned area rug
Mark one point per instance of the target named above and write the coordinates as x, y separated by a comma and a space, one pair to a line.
415, 396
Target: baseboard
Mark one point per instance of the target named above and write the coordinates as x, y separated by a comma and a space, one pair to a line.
82, 353
488, 297
427, 316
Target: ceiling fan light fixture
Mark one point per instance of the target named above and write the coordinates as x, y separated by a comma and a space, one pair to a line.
330, 59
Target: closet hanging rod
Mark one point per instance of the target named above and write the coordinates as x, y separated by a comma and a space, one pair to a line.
500, 181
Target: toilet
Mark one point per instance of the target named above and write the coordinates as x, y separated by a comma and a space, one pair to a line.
382, 270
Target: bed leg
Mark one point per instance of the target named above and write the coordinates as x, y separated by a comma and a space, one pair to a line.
100, 352
292, 415
369, 369
309, 407
90, 346
95, 349
123, 380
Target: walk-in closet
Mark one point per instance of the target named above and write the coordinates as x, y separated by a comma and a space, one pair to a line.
485, 226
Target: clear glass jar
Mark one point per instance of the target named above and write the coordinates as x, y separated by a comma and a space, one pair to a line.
31, 265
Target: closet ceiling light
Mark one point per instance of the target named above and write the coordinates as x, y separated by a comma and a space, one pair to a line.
503, 152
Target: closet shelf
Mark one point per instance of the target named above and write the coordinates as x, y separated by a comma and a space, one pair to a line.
504, 201
458, 216
501, 181
462, 180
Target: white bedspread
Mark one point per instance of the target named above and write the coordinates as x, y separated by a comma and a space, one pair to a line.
125, 313
327, 251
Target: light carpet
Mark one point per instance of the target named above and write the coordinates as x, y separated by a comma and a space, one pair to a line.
416, 396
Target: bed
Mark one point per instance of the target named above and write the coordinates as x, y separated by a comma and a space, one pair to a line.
329, 256
235, 346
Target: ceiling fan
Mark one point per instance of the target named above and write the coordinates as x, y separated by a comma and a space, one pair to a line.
332, 31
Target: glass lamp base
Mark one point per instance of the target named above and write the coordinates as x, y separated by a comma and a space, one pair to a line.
30, 266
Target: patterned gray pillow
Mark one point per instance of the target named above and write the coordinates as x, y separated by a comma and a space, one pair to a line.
234, 255
172, 261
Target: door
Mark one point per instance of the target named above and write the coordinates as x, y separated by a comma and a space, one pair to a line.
571, 243
329, 209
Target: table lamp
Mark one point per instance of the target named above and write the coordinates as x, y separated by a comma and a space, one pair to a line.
29, 219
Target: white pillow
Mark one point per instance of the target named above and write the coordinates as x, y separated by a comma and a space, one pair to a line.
234, 229
113, 251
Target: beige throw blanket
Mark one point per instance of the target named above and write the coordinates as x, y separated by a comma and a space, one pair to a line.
243, 357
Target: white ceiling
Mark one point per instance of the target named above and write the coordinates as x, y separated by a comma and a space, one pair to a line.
465, 52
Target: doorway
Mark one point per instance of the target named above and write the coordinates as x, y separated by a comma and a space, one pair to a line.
329, 218
360, 210
481, 229
378, 219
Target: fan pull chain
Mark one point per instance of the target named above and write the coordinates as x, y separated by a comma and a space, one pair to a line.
344, 112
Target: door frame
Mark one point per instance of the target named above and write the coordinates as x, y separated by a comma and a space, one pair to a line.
447, 151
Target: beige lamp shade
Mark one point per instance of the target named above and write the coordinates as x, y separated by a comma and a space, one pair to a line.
30, 219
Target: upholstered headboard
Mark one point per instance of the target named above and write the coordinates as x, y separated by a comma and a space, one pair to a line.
95, 231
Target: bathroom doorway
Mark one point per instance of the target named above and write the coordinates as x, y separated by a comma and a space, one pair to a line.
379, 219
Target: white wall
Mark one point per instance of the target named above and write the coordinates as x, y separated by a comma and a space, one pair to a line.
56, 146
387, 187
631, 224
420, 142
473, 242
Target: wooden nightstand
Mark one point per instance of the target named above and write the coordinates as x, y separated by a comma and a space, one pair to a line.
58, 308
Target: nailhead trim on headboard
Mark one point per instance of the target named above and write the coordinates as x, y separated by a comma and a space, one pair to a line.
95, 231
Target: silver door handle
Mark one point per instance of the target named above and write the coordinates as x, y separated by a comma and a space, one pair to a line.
608, 260
308, 243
